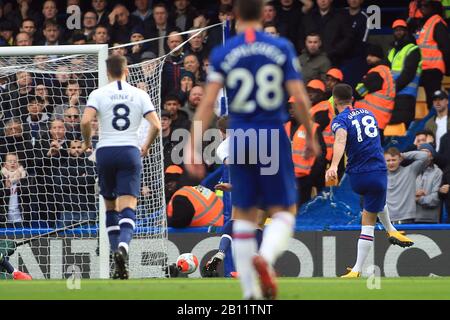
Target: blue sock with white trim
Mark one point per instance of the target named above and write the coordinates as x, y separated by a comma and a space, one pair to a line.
127, 225
113, 229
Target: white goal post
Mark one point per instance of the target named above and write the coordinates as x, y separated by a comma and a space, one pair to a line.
52, 257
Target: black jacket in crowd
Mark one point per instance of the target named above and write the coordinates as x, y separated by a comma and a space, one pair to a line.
336, 33
77, 178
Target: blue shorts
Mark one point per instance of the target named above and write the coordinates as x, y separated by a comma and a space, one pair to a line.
252, 188
119, 171
373, 187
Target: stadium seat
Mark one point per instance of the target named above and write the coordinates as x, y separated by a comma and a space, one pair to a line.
421, 104
395, 130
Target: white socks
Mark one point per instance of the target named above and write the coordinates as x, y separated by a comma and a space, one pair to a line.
245, 248
276, 236
365, 244
386, 220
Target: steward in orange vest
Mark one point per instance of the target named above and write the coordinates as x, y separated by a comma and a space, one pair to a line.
195, 207
322, 112
310, 172
377, 88
302, 165
433, 41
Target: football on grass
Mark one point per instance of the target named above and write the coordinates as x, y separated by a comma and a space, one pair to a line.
187, 263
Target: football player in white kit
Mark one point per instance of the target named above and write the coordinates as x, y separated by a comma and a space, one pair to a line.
119, 108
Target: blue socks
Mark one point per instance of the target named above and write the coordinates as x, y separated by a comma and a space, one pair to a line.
127, 225
259, 237
113, 229
225, 240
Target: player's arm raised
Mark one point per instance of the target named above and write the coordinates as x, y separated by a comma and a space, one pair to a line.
302, 105
338, 152
155, 128
88, 115
203, 116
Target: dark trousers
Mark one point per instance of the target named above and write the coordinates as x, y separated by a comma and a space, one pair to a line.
404, 110
305, 184
304, 187
431, 80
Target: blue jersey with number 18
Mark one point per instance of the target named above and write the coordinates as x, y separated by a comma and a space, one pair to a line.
363, 148
254, 66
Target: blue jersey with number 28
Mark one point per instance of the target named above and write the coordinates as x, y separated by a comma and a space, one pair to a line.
254, 66
363, 148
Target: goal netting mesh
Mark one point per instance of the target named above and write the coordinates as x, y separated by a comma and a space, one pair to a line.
46, 182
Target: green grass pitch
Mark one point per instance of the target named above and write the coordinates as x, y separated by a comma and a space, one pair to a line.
227, 289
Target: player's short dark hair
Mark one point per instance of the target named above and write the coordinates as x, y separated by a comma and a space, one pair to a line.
394, 152
116, 66
343, 92
249, 10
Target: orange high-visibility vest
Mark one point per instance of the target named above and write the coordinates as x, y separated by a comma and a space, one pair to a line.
381, 102
288, 128
431, 55
302, 166
207, 205
327, 134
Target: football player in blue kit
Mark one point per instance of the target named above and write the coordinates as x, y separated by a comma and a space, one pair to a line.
356, 133
259, 73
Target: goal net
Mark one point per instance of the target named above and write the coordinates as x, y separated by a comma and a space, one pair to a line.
47, 184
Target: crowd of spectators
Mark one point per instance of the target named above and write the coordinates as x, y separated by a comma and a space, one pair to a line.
47, 178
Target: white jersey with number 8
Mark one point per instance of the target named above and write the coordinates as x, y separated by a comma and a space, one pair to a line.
120, 109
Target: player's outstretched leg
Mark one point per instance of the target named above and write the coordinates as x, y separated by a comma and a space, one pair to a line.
394, 236
7, 266
275, 241
244, 250
210, 268
365, 244
127, 226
